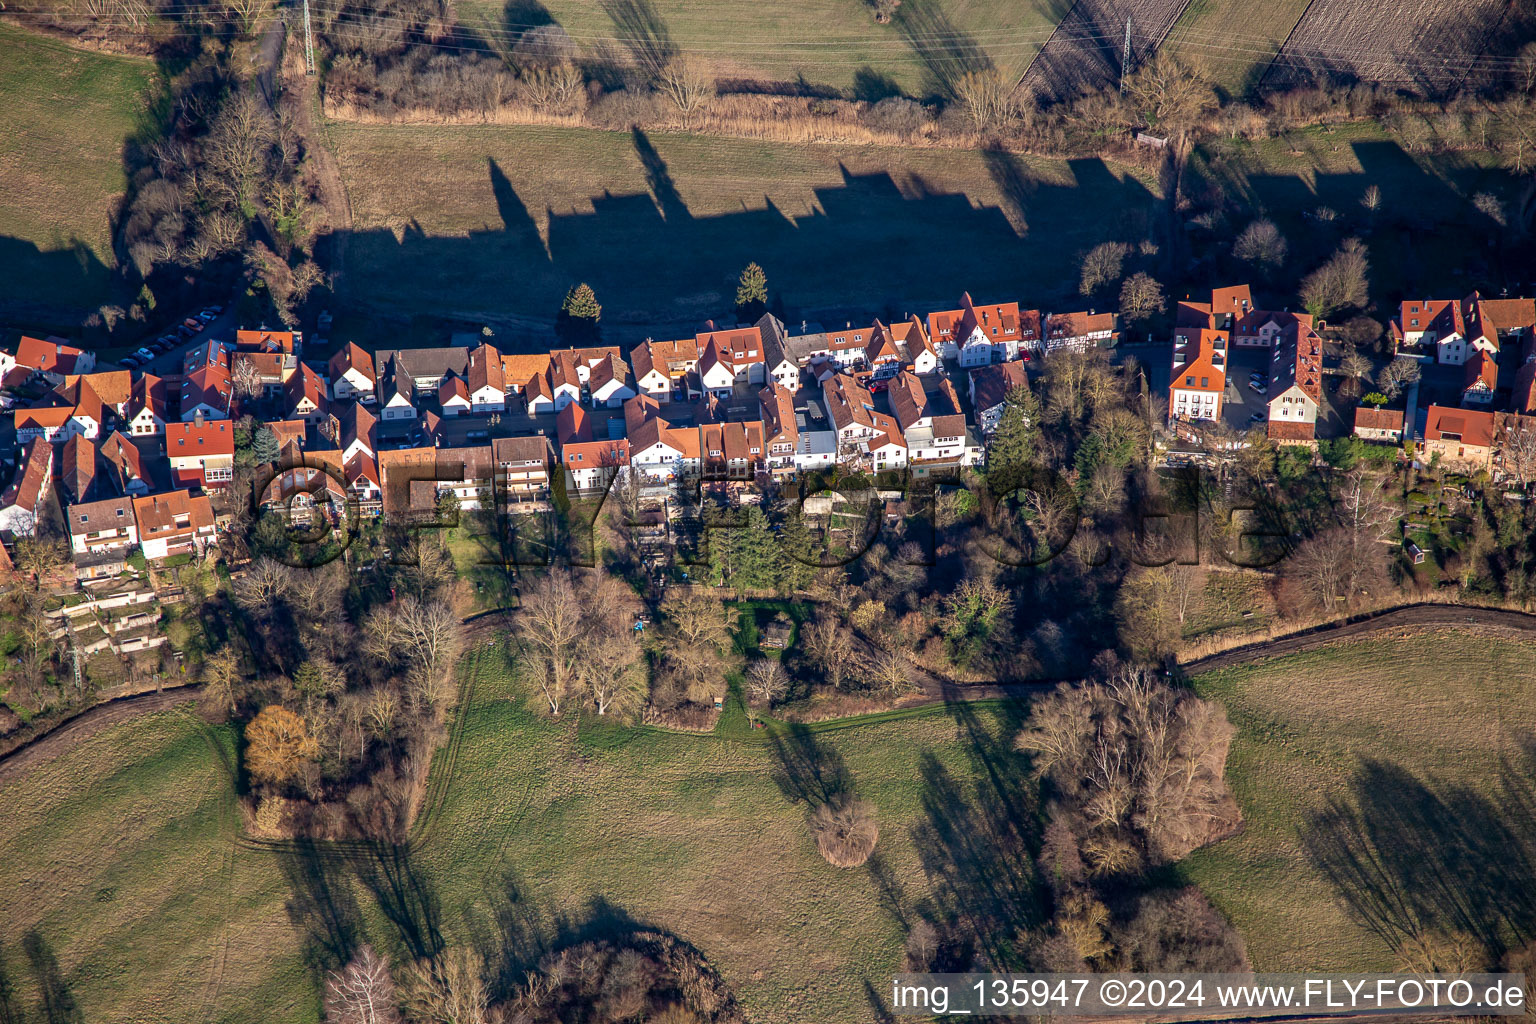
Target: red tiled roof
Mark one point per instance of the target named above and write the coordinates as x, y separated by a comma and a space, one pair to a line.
991, 384
573, 424
51, 356
1199, 371
31, 474
123, 455
1280, 430
485, 370
352, 357
1464, 425
213, 438
77, 464
1369, 418
270, 341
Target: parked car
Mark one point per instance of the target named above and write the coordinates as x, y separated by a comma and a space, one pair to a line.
189, 322
185, 331
1256, 417
1258, 389
129, 361
207, 317
215, 310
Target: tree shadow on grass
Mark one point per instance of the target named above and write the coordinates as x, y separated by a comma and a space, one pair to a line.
644, 33
57, 1004
978, 840
10, 1013
322, 904
1415, 857
948, 52
405, 893
1014, 185
521, 930
809, 772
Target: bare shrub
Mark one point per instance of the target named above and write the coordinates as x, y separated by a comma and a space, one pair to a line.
1137, 757
845, 830
624, 108
1261, 244
897, 115
558, 89
643, 976
988, 98
1181, 932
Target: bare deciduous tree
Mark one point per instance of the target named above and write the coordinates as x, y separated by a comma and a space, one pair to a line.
607, 665
767, 682
688, 85
1102, 265
1339, 283
830, 647
697, 618
277, 743
1134, 755
448, 990
1261, 244
550, 623
1517, 448
246, 379
221, 677
1397, 375
1141, 297
265, 581
362, 992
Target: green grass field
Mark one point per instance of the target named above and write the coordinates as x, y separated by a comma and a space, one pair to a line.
836, 44
123, 855
1291, 177
502, 220
65, 115
1232, 41
1409, 737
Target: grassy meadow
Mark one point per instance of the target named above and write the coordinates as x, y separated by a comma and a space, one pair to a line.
505, 219
1294, 177
65, 114
836, 45
124, 857
1414, 748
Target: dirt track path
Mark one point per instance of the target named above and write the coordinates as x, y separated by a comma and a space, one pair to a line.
88, 723
934, 690
1420, 616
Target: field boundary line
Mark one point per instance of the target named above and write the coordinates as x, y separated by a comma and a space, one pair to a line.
89, 721
1065, 15
1286, 42
1424, 615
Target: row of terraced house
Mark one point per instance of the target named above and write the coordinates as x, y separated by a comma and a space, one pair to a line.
394, 429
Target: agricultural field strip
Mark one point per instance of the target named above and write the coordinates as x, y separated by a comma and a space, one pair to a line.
1067, 64
1384, 42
